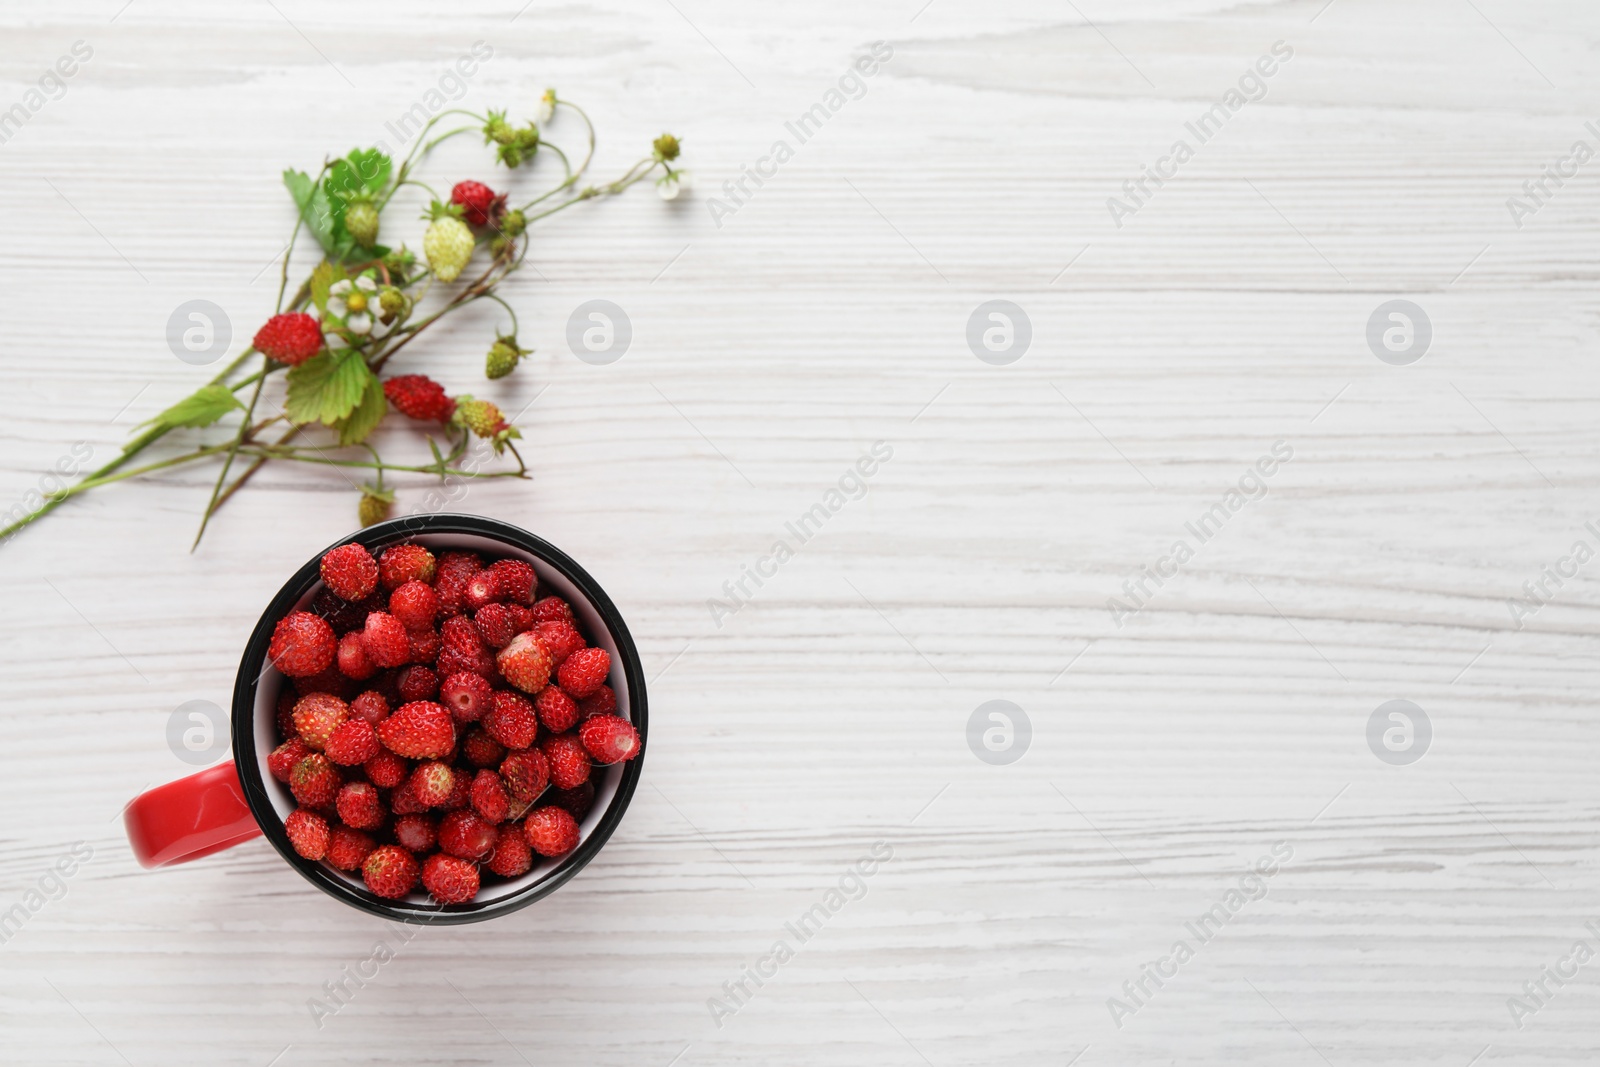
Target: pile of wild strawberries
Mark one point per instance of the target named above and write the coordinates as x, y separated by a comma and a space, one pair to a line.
441, 716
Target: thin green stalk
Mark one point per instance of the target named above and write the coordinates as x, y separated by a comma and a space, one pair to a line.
227, 463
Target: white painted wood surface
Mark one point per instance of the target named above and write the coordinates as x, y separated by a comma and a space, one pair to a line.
828, 313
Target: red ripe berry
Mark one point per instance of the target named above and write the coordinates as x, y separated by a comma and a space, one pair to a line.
283, 758
353, 742
287, 698
353, 660
370, 706
603, 702
348, 848
359, 805
415, 605
480, 749
569, 762
424, 645
518, 580
489, 797
404, 800
314, 781
496, 624
584, 672
290, 338
609, 739
551, 831
330, 681
390, 871
460, 792
420, 397
317, 716
450, 880
561, 638
467, 695
464, 833
525, 662
557, 711
341, 614
416, 682
385, 640
512, 856
418, 730
525, 774
400, 564
431, 783
385, 770
479, 204
481, 589
308, 833
416, 832
350, 571
302, 645
473, 661
552, 609
454, 571
512, 720
578, 801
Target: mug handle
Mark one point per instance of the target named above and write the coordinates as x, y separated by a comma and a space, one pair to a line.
190, 818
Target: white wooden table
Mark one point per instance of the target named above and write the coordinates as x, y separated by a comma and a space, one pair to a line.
829, 311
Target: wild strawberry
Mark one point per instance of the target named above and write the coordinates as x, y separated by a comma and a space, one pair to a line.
496, 624
557, 712
448, 244
461, 649
460, 792
551, 831
408, 562
302, 645
424, 645
511, 856
329, 680
502, 357
390, 871
350, 571
415, 604
464, 833
489, 797
283, 758
370, 706
482, 417
386, 770
609, 739
416, 682
314, 781
603, 702
308, 833
479, 204
511, 720
359, 805
385, 640
455, 569
342, 614
584, 671
317, 716
374, 506
416, 832
525, 662
552, 609
480, 749
353, 660
578, 801
348, 848
418, 730
569, 761
450, 880
290, 338
467, 695
525, 774
482, 588
431, 782
560, 638
420, 397
518, 580
353, 742
403, 800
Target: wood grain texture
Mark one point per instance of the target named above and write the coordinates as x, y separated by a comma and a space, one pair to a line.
827, 313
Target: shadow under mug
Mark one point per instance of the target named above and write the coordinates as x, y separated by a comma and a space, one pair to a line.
239, 800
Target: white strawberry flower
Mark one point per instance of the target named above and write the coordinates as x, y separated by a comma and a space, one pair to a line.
353, 302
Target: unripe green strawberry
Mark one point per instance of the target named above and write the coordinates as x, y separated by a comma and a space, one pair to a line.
392, 304
479, 416
375, 505
513, 223
448, 243
361, 219
503, 357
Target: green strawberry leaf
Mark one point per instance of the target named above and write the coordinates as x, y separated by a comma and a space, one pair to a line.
354, 427
201, 408
326, 388
320, 213
363, 173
